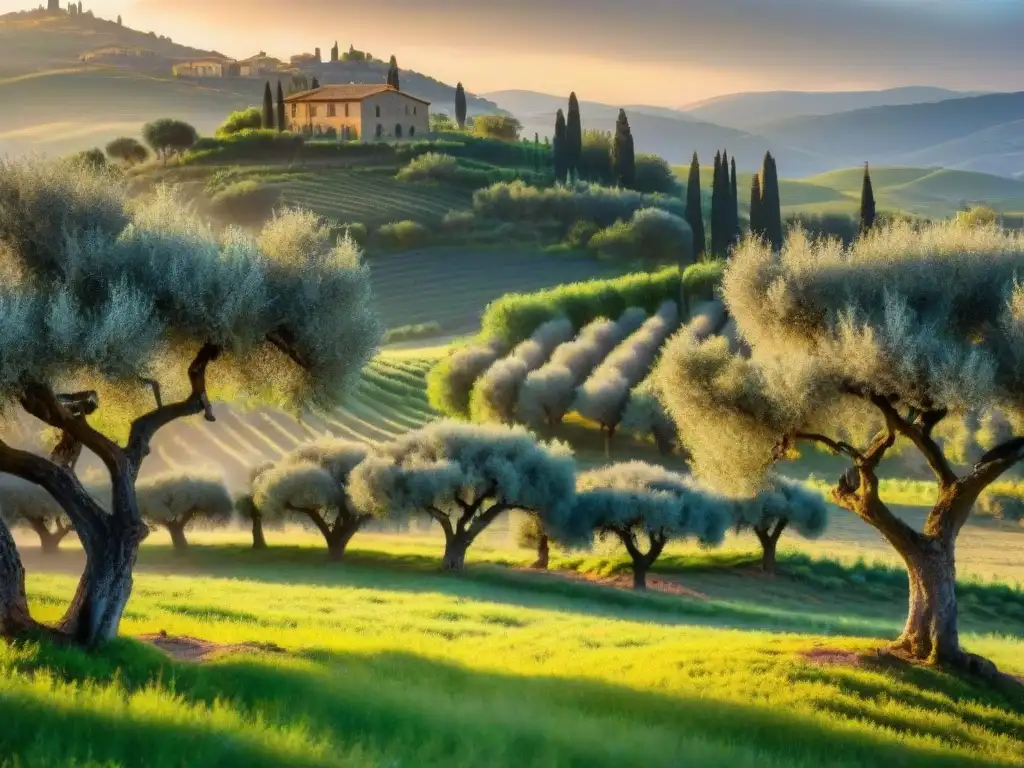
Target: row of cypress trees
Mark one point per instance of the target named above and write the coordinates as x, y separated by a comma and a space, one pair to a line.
567, 148
268, 108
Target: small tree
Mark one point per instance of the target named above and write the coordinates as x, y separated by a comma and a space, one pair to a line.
867, 203
531, 534
178, 500
450, 382
622, 154
166, 135
464, 476
783, 503
241, 120
111, 289
559, 151
460, 106
312, 482
127, 150
573, 138
504, 127
22, 503
282, 121
852, 349
694, 208
771, 204
90, 158
268, 107
634, 502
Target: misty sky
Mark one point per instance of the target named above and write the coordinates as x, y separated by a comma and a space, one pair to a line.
655, 51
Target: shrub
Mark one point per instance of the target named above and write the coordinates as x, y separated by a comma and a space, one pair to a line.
432, 166
93, 158
495, 393
652, 235
244, 119
450, 382
653, 175
1001, 506
504, 127
838, 226
402, 234
409, 332
517, 201
245, 202
355, 230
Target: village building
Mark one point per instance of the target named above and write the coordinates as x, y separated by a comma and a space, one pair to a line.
206, 68
358, 111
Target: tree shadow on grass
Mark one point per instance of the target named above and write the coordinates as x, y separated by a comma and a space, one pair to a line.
398, 708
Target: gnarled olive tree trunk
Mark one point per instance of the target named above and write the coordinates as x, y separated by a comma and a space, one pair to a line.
769, 538
49, 541
543, 553
931, 631
642, 561
469, 525
14, 614
259, 541
337, 534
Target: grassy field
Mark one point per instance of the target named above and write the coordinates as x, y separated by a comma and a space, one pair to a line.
382, 661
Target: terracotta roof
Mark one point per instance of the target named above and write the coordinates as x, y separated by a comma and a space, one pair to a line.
351, 92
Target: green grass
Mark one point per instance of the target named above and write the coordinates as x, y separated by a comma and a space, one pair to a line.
386, 662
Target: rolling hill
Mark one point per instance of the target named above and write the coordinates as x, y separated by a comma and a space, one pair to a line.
673, 135
79, 81
946, 133
747, 111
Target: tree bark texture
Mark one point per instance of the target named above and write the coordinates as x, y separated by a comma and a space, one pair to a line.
931, 631
14, 613
455, 553
259, 541
642, 561
543, 553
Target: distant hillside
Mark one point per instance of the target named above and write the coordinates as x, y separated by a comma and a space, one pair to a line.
750, 110
904, 134
80, 81
673, 135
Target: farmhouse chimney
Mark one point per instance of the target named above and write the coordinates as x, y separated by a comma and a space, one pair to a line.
316, 55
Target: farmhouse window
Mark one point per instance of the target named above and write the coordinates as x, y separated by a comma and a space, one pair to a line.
346, 110
312, 111
378, 110
330, 110
294, 109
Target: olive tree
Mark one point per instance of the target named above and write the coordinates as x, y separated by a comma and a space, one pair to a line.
547, 393
127, 150
166, 135
496, 392
119, 317
783, 503
311, 482
464, 476
852, 349
246, 509
22, 503
450, 382
179, 500
644, 505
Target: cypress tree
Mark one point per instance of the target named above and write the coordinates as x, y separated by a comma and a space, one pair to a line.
718, 225
694, 211
460, 106
393, 73
281, 122
559, 149
536, 152
573, 137
315, 84
867, 203
756, 225
268, 106
623, 155
771, 205
734, 232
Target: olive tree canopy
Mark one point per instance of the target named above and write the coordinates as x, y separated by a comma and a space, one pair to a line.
312, 482
119, 316
851, 350
635, 501
464, 476
177, 500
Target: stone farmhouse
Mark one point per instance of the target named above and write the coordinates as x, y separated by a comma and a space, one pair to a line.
358, 111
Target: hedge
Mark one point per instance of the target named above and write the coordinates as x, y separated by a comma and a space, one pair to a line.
514, 317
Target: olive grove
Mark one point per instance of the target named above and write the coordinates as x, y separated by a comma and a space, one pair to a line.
464, 476
28, 505
118, 317
851, 350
